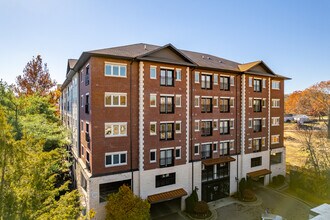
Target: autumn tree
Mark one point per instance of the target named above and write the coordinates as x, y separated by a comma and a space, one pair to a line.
125, 205
35, 79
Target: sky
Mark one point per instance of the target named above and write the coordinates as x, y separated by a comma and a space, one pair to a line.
291, 36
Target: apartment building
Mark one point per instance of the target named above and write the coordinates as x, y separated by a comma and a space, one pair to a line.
166, 121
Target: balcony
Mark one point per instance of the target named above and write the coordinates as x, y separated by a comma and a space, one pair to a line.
206, 154
166, 162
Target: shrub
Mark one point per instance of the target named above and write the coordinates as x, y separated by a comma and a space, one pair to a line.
242, 185
280, 179
248, 195
201, 208
275, 180
191, 201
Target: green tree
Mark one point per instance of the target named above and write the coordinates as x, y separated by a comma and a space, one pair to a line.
126, 205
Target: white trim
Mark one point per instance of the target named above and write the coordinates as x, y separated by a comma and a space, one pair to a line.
171, 95
112, 124
153, 123
277, 136
166, 122
197, 121
115, 94
178, 131
178, 96
198, 149
177, 148
217, 127
141, 116
153, 67
115, 64
196, 72
167, 68
205, 73
153, 95
155, 151
176, 74
197, 97
217, 77
119, 153
188, 123
275, 119
216, 149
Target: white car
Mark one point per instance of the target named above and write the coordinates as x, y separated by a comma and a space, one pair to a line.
301, 118
288, 118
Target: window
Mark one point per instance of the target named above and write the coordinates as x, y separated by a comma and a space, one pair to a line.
264, 103
87, 104
275, 121
264, 83
115, 99
206, 105
178, 127
82, 150
116, 159
232, 81
166, 77
196, 101
117, 70
196, 77
87, 76
250, 81
224, 126
215, 146
263, 122
196, 125
250, 122
224, 148
232, 125
257, 85
275, 139
224, 83
263, 142
166, 131
165, 179
153, 128
215, 79
250, 143
83, 182
87, 137
276, 158
153, 72
206, 151
276, 85
196, 149
166, 158
178, 153
257, 125
108, 188
232, 101
250, 102
152, 156
224, 105
215, 124
166, 104
82, 125
117, 129
257, 161
257, 145
178, 75
206, 128
206, 81
215, 101
153, 100
231, 145
257, 105
178, 101
82, 100
275, 103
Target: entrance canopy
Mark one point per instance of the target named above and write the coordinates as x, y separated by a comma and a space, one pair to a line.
258, 173
165, 196
222, 159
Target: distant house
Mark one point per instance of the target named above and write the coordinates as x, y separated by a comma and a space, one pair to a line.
164, 121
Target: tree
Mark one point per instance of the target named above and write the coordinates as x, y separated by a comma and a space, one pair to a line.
35, 79
126, 205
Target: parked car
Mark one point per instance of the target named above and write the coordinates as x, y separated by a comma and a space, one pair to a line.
301, 118
288, 118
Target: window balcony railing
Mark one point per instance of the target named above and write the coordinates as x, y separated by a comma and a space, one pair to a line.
210, 175
206, 154
206, 131
166, 162
206, 108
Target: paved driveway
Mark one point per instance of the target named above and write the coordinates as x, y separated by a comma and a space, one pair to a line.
279, 204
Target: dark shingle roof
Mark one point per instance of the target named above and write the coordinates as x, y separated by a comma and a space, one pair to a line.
200, 59
72, 62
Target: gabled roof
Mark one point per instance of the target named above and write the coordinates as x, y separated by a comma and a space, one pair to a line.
176, 57
246, 66
71, 64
